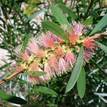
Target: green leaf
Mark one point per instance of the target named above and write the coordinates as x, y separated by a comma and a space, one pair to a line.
36, 73
58, 14
25, 42
81, 83
103, 47
76, 71
12, 99
101, 24
45, 90
54, 28
68, 11
88, 21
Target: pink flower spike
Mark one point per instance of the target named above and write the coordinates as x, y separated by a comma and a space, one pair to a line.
53, 62
55, 38
89, 43
47, 41
59, 51
73, 38
19, 68
62, 66
48, 71
34, 67
33, 47
78, 28
40, 53
87, 55
25, 56
70, 58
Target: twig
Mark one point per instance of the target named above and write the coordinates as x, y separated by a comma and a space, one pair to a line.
99, 35
11, 77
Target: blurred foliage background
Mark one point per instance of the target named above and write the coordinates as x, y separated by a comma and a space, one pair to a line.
21, 20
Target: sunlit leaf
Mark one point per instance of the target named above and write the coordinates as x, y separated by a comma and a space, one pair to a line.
58, 14
81, 83
25, 42
100, 25
53, 27
103, 47
68, 11
76, 71
88, 21
45, 90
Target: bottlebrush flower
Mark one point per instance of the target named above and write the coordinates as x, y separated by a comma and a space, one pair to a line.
70, 58
88, 55
56, 58
77, 31
34, 48
89, 43
63, 67
52, 55
73, 38
55, 38
49, 72
25, 56
34, 67
77, 28
90, 46
59, 51
47, 40
19, 68
53, 62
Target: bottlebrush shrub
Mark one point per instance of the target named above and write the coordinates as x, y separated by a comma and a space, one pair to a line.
48, 55
59, 51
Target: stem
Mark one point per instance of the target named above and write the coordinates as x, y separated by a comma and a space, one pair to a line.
100, 35
10, 77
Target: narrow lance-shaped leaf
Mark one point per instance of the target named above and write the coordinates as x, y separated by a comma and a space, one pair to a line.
44, 90
54, 28
101, 24
68, 11
12, 99
88, 21
58, 14
81, 83
103, 47
76, 71
25, 42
